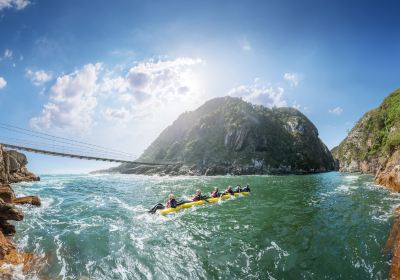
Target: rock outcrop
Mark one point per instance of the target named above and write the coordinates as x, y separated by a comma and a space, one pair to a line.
373, 145
230, 136
392, 247
12, 169
388, 174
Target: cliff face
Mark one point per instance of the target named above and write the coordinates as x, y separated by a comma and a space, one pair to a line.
12, 169
372, 146
228, 135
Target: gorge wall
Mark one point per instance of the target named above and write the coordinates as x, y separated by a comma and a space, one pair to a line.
373, 145
12, 170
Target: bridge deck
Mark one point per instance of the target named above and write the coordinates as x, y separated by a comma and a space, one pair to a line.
53, 153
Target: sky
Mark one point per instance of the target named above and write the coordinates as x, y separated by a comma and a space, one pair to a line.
116, 73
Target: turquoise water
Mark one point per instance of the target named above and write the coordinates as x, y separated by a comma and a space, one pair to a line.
325, 226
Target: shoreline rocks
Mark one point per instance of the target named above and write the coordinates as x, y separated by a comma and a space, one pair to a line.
389, 174
212, 170
373, 144
392, 247
12, 170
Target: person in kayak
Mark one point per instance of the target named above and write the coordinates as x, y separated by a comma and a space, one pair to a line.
238, 189
215, 192
197, 196
171, 203
229, 190
246, 188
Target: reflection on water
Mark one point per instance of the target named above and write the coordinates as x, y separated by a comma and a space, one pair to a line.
331, 226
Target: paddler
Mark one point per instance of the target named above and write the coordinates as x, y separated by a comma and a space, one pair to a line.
215, 192
197, 196
229, 190
246, 188
171, 203
238, 189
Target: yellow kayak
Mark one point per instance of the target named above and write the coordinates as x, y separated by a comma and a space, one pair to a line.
190, 204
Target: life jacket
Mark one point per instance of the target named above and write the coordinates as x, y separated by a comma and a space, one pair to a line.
170, 203
214, 194
229, 191
196, 198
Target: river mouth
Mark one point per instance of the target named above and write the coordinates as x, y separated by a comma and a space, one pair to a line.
322, 226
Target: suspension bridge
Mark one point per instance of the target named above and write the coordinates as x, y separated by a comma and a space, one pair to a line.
18, 138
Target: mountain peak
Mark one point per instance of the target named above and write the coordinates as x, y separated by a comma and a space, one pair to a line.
230, 135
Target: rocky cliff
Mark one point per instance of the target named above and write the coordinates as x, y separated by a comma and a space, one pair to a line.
12, 169
229, 135
373, 145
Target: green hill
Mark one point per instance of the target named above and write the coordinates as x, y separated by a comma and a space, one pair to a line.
373, 140
229, 135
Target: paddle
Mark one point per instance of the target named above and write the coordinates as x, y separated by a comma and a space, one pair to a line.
220, 197
206, 199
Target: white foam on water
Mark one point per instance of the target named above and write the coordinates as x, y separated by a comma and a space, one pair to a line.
49, 201
16, 271
270, 277
361, 263
281, 253
89, 265
113, 228
123, 204
138, 241
378, 213
343, 188
351, 177
60, 259
279, 249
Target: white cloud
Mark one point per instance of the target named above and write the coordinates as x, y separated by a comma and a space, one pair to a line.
150, 85
121, 114
163, 80
257, 94
245, 44
71, 102
38, 77
7, 53
15, 4
3, 83
148, 89
293, 78
300, 107
118, 84
337, 111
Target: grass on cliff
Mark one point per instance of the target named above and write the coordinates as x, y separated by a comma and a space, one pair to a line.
380, 131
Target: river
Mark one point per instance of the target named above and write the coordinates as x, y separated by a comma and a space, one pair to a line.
323, 226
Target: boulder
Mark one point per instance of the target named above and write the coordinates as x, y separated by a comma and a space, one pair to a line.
392, 247
32, 200
9, 212
6, 193
388, 174
20, 158
6, 228
13, 164
5, 246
